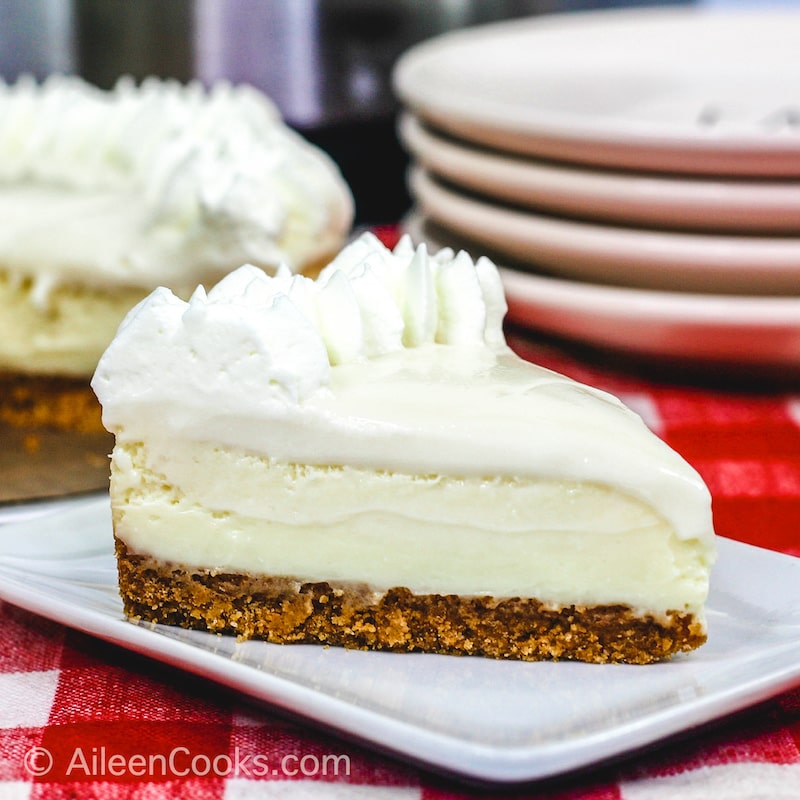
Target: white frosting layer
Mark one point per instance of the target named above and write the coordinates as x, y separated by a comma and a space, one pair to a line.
392, 361
158, 184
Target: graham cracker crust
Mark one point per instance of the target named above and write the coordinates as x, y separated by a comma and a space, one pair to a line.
45, 401
282, 610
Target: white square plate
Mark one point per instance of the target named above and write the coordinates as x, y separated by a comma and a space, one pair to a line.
482, 719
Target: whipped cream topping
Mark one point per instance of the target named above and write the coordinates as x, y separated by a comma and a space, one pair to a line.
391, 360
158, 183
279, 335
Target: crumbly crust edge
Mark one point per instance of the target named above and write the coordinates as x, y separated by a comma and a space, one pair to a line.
284, 610
46, 401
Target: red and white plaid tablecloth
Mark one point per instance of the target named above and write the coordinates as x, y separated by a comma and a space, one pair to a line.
99, 711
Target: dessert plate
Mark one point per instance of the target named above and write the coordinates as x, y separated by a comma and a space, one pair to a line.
729, 330
643, 258
699, 203
478, 718
692, 90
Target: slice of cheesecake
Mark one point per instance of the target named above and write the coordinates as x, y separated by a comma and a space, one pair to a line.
362, 461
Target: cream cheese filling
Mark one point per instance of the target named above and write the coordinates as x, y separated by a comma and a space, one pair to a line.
65, 335
562, 542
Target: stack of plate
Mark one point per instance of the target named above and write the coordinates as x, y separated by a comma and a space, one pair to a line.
636, 173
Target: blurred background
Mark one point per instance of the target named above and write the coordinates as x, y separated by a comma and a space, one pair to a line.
326, 63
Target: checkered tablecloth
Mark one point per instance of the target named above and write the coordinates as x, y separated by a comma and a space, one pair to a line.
83, 718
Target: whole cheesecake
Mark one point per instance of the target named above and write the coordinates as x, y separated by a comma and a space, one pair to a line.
106, 195
361, 460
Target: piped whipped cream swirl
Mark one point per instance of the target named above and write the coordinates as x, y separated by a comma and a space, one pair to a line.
185, 183
279, 335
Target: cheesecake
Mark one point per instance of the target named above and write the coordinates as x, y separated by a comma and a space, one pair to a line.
106, 195
361, 460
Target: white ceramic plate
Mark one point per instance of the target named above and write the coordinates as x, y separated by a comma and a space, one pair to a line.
674, 89
484, 719
749, 332
712, 204
633, 257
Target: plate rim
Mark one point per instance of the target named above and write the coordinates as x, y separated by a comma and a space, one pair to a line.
626, 256
462, 759
569, 308
636, 144
704, 203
